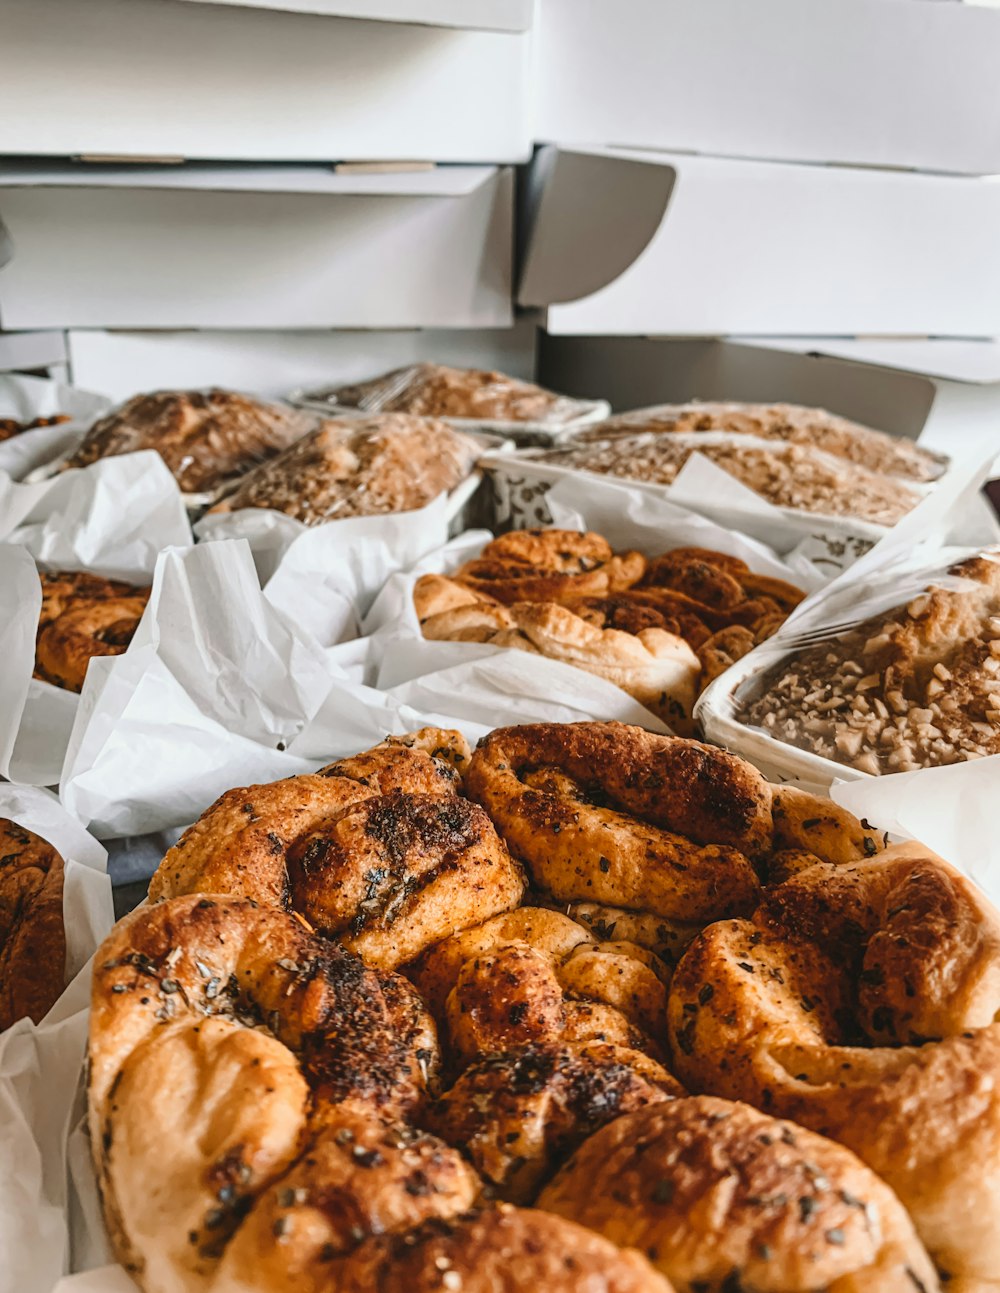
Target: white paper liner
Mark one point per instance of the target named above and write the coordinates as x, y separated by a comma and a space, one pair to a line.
219, 688
26, 398
110, 519
953, 522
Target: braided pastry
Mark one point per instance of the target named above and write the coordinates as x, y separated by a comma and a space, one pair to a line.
860, 1000
377, 851
83, 616
722, 1197
32, 933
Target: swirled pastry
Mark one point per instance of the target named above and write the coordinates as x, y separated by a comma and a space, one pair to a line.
206, 438
32, 933
359, 467
722, 1197
83, 616
547, 566
894, 455
861, 1000
377, 851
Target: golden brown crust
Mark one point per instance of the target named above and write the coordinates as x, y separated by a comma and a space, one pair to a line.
548, 566
10, 427
918, 686
793, 423
376, 849
519, 1114
860, 1000
32, 932
720, 1196
83, 616
501, 1250
358, 467
204, 437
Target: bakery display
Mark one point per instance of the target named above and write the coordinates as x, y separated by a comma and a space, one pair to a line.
794, 476
206, 438
438, 391
10, 427
792, 423
918, 686
659, 628
386, 1011
359, 467
32, 932
861, 1001
83, 616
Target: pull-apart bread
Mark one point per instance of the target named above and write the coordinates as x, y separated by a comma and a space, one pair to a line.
83, 616
918, 686
659, 628
206, 438
409, 1023
438, 391
795, 476
32, 933
359, 467
791, 423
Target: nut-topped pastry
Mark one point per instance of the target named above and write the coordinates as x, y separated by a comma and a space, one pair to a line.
793, 423
206, 438
359, 467
916, 687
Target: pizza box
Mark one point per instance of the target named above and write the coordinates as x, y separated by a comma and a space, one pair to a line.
277, 82
198, 246
121, 364
639, 243
864, 82
490, 15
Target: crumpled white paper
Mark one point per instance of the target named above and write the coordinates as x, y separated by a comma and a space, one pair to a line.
26, 398
219, 688
325, 577
110, 519
41, 1064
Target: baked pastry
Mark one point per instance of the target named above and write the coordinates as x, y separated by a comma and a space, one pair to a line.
860, 1000
206, 438
32, 933
793, 423
918, 686
83, 616
437, 391
10, 427
377, 851
659, 629
359, 467
794, 476
720, 1196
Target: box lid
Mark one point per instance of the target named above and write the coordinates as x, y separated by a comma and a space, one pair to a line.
490, 15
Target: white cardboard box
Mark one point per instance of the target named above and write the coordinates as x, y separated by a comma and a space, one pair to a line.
947, 393
490, 15
159, 78
642, 243
256, 247
120, 364
878, 82
22, 352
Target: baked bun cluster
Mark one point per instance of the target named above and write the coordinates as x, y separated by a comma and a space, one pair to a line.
660, 628
918, 686
791, 423
384, 1053
206, 438
392, 462
10, 427
439, 391
32, 932
83, 616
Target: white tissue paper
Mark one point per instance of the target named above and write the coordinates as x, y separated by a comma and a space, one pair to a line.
492, 686
26, 398
326, 576
111, 519
219, 688
41, 1065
